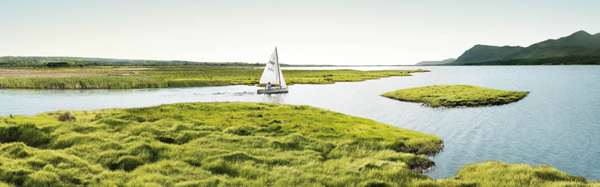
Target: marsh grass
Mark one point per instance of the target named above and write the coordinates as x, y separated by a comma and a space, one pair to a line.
492, 173
248, 144
456, 96
187, 77
233, 144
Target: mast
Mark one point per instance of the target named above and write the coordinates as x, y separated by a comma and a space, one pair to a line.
278, 67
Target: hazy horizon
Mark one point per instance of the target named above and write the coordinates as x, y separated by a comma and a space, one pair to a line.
305, 32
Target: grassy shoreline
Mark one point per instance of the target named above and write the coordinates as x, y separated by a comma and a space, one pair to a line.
191, 144
233, 144
456, 96
88, 78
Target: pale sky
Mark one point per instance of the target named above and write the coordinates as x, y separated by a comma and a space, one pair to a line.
305, 32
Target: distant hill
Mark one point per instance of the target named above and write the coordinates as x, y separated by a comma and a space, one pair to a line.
566, 50
484, 53
429, 63
580, 38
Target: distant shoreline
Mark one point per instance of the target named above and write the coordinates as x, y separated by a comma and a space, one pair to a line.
175, 76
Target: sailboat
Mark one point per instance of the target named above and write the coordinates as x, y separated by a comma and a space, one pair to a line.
272, 74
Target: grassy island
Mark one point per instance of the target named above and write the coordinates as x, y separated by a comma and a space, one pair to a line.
456, 96
232, 144
163, 77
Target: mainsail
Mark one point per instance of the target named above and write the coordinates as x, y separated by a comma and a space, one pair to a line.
272, 72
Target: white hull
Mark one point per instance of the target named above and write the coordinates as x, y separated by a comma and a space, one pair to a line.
272, 91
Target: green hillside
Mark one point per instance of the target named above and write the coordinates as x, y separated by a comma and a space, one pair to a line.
483, 53
565, 50
566, 60
580, 38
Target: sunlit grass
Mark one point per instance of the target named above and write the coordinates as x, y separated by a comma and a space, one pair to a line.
456, 95
491, 174
250, 144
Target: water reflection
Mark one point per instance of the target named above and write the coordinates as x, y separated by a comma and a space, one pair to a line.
274, 98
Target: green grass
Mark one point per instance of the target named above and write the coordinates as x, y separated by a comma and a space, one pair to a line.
248, 144
492, 173
456, 96
186, 77
233, 144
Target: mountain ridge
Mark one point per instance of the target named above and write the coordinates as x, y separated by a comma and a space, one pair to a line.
575, 46
579, 38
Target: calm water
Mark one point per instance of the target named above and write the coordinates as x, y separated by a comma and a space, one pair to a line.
558, 124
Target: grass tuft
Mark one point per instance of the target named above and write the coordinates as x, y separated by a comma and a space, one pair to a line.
67, 116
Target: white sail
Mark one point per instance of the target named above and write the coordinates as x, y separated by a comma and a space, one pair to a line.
281, 79
272, 72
